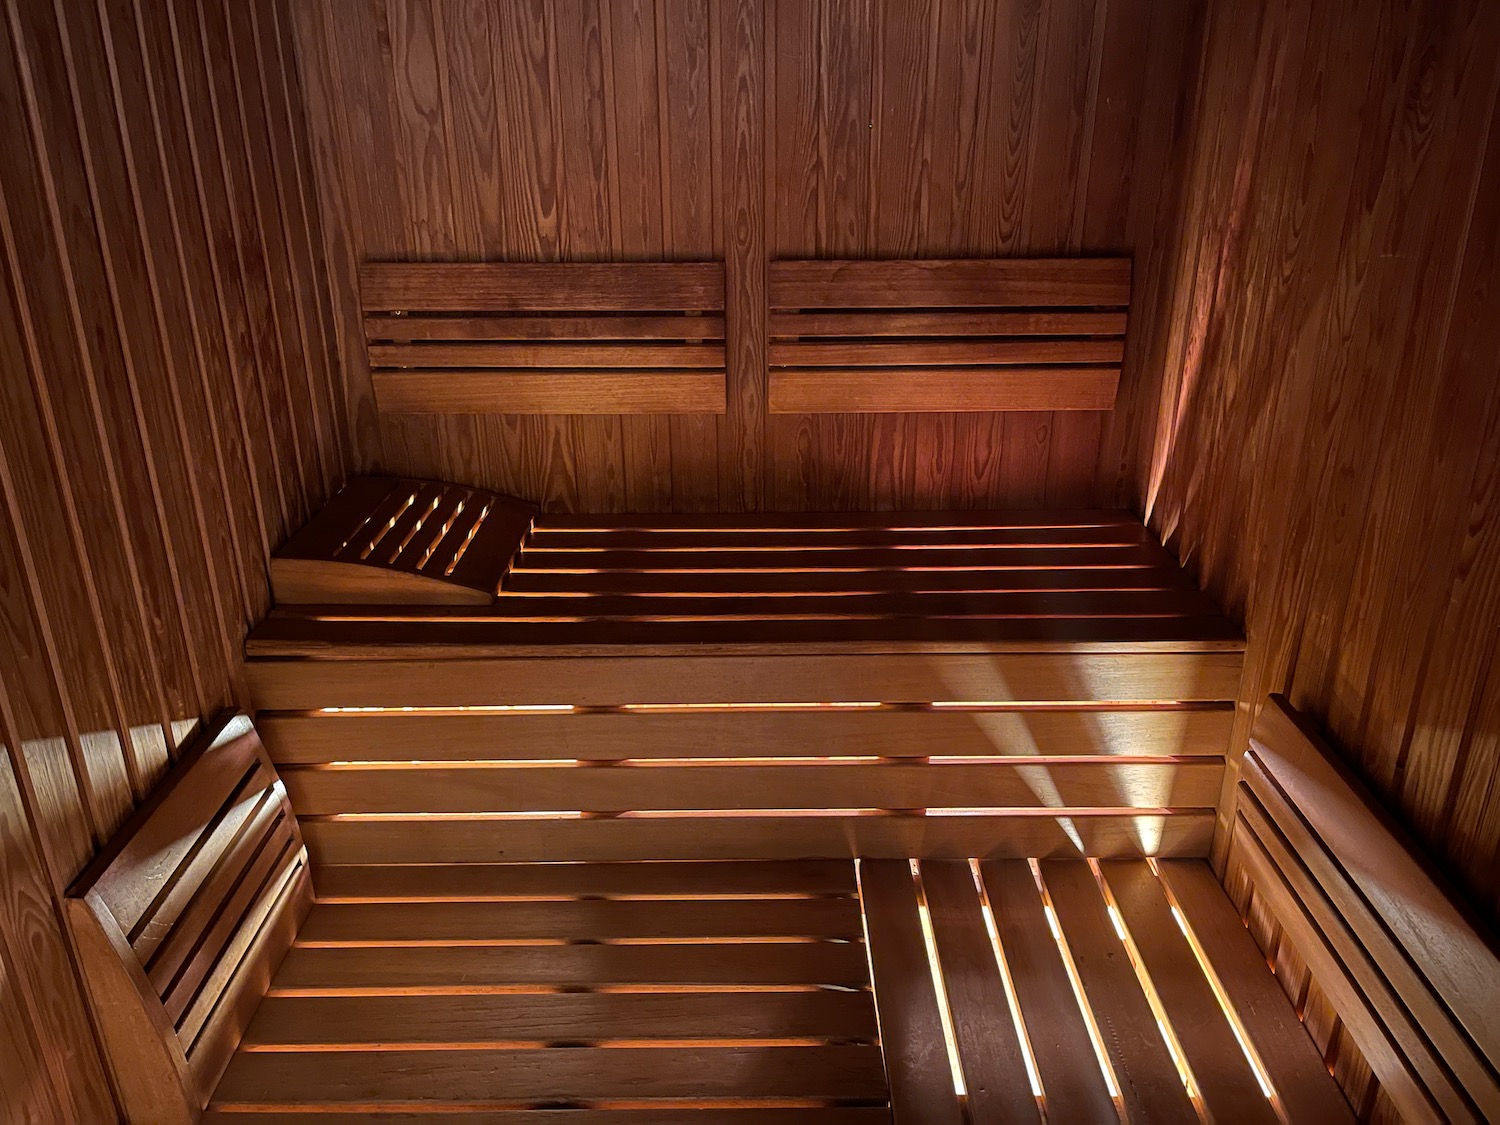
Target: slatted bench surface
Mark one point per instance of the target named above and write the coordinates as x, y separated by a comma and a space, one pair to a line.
572, 992
987, 579
1399, 984
1018, 991
776, 687
545, 338
971, 334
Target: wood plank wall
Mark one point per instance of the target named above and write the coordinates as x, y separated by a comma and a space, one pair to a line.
1324, 444
170, 409
626, 129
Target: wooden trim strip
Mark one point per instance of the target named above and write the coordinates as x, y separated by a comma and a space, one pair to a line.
541, 286
875, 390
409, 329
916, 1060
526, 391
952, 283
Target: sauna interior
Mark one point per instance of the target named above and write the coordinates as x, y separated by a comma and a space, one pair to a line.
815, 562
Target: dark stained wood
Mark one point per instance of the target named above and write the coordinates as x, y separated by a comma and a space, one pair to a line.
382, 539
740, 988
955, 283
528, 391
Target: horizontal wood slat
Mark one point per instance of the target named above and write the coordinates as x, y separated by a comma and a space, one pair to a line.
887, 390
541, 286
914, 336
528, 391
294, 739
359, 923
1186, 832
376, 883
489, 969
489, 1078
543, 363
439, 788
704, 986
403, 329
950, 283
389, 1021
300, 685
1407, 973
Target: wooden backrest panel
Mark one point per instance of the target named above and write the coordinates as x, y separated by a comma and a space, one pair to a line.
970, 334
1410, 976
389, 539
546, 338
183, 917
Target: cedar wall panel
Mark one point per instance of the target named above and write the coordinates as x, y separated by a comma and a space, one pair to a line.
1324, 444
171, 406
624, 129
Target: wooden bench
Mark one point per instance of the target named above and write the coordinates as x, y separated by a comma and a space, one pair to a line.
767, 687
545, 338
965, 334
182, 920
1400, 986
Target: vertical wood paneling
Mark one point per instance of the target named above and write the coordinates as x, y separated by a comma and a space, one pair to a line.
167, 413
621, 129
1324, 441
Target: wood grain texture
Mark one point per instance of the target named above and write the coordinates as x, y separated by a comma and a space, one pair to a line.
610, 132
1404, 969
721, 989
171, 409
1066, 990
1321, 433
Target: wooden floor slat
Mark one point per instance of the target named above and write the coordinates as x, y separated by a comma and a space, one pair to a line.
1016, 783
458, 922
1149, 1083
406, 736
423, 883
728, 1115
1072, 1082
994, 1061
480, 969
481, 1078
285, 1022
916, 1059
1222, 1074
1126, 833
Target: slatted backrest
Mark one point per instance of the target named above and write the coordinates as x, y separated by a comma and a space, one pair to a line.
1411, 978
546, 338
971, 334
388, 539
184, 916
